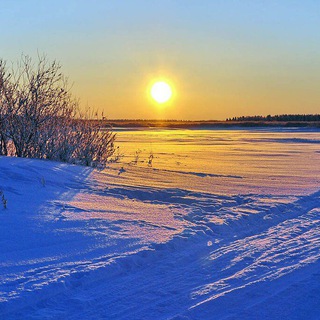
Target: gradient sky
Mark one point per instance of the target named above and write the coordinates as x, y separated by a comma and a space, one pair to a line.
224, 58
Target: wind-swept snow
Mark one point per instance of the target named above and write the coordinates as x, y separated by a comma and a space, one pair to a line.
223, 225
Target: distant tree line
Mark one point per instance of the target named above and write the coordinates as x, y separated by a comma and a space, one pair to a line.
39, 118
280, 118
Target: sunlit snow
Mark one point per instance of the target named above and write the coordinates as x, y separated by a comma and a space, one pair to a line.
220, 224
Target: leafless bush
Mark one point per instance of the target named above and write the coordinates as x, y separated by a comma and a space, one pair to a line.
9, 103
41, 118
117, 156
136, 156
3, 200
150, 159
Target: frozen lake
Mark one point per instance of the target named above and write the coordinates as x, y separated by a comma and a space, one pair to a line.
275, 161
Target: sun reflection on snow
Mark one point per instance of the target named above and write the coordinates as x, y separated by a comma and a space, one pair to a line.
136, 219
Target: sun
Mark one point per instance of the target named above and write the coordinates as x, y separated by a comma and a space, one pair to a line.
161, 92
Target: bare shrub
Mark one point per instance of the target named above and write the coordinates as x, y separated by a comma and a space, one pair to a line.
136, 156
42, 119
9, 104
117, 156
3, 200
150, 159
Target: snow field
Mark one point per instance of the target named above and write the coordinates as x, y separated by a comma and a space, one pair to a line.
224, 234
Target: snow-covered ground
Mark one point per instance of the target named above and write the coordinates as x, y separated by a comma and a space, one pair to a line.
225, 224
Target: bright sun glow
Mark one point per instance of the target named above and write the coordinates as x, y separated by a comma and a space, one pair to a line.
161, 92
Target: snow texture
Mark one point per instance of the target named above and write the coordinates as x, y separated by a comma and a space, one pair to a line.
225, 224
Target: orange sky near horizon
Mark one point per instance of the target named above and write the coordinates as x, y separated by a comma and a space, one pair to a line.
222, 58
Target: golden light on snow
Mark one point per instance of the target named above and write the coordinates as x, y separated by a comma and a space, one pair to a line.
161, 92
